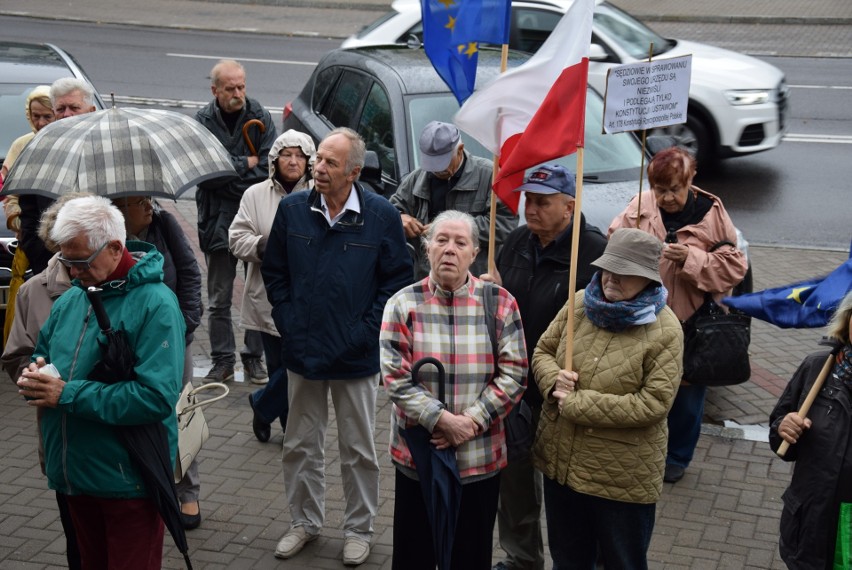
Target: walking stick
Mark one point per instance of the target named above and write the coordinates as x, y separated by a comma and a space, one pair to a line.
260, 125
812, 394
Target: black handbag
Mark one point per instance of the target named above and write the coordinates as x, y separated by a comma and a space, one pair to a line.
716, 346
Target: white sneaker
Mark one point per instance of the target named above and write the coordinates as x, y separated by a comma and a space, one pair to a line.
355, 551
293, 542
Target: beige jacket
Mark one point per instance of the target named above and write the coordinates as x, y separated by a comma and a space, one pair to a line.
253, 224
716, 272
610, 439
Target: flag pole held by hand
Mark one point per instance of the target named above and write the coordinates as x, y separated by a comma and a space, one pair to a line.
812, 394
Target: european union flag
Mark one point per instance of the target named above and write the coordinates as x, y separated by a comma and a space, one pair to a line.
802, 305
452, 31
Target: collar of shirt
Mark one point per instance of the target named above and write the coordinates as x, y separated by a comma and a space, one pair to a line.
352, 204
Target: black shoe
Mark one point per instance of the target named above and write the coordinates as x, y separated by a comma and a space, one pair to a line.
221, 372
674, 473
262, 430
254, 371
190, 522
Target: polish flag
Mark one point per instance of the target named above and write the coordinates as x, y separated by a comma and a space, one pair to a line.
535, 112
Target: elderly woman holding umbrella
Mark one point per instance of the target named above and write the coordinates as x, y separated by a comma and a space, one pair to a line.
602, 435
816, 523
444, 316
118, 525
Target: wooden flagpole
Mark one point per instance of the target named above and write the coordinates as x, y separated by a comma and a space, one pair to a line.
642, 162
572, 273
495, 170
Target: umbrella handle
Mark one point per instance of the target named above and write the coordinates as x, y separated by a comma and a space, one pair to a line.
94, 295
812, 394
437, 364
249, 144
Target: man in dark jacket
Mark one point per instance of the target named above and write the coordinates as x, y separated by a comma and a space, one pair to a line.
534, 264
335, 256
226, 117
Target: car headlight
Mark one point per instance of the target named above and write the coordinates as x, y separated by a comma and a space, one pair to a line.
748, 96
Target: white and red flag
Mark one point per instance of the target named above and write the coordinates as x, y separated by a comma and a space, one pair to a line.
535, 112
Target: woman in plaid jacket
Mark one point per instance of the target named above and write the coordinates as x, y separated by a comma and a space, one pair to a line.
443, 316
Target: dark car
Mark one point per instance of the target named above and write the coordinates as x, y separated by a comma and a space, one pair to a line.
388, 94
24, 66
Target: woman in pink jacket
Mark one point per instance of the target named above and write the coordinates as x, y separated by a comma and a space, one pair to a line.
691, 222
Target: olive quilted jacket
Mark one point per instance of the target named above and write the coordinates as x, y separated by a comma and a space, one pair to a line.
610, 439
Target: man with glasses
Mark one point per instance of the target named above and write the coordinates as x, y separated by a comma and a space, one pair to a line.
117, 524
227, 116
449, 178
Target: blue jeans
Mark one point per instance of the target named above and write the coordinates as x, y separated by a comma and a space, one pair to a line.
685, 423
271, 401
221, 272
577, 524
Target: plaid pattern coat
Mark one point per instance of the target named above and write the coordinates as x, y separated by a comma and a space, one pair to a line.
423, 320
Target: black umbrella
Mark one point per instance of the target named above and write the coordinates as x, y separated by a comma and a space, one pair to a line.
147, 444
439, 477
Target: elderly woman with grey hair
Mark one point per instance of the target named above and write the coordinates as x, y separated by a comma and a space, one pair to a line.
816, 523
443, 316
116, 522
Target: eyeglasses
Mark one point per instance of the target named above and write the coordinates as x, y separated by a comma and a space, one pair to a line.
81, 264
142, 202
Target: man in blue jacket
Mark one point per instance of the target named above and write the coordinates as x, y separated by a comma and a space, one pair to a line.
335, 256
225, 116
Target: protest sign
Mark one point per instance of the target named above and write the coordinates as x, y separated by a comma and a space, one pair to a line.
647, 95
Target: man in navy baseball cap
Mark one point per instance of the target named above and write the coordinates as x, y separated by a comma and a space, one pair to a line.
534, 264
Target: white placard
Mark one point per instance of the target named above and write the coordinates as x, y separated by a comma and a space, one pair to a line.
646, 95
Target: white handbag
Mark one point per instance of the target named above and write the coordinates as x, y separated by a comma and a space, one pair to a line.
192, 427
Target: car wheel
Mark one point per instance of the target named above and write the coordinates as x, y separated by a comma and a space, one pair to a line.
693, 136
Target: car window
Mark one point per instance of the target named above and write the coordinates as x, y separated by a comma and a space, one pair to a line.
13, 98
376, 128
343, 107
530, 27
630, 34
370, 27
322, 85
607, 158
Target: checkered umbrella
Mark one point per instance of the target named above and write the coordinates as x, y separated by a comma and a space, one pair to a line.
119, 152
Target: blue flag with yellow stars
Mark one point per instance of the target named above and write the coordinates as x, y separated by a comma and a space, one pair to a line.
808, 304
452, 33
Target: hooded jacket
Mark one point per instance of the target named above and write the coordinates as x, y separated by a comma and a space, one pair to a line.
717, 272
218, 201
823, 464
249, 232
471, 194
611, 436
83, 454
328, 285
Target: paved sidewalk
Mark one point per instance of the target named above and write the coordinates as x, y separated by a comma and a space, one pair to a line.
723, 514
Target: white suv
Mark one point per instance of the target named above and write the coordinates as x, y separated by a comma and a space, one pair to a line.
737, 103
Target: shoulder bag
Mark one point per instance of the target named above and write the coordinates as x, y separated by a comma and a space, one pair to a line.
716, 344
192, 427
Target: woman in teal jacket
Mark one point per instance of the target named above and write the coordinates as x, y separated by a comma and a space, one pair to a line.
117, 525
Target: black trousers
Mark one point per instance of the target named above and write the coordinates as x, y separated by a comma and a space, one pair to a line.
412, 533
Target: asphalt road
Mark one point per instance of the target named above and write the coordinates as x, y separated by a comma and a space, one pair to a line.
795, 195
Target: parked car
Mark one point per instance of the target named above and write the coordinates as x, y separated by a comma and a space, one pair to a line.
388, 94
737, 105
23, 66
